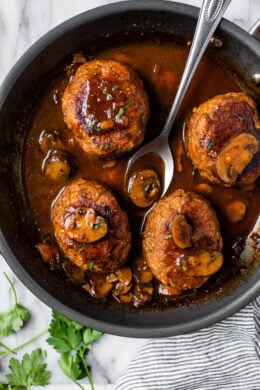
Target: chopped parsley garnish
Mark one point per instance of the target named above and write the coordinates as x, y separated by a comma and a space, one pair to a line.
237, 116
115, 87
80, 251
95, 127
108, 95
210, 144
91, 266
122, 110
97, 225
104, 146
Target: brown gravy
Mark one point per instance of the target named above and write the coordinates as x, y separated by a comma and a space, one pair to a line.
160, 64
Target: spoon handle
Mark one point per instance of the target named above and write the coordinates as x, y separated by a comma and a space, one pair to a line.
210, 15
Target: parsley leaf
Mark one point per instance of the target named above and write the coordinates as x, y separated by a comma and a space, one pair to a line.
108, 95
95, 127
64, 334
115, 87
13, 319
71, 340
6, 387
60, 317
30, 371
70, 365
90, 335
91, 266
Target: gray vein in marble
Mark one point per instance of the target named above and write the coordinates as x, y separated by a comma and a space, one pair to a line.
23, 26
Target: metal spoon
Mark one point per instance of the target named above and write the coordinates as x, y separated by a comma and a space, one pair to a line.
209, 18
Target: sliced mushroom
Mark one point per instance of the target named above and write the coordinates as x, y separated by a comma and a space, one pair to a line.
235, 156
201, 262
49, 140
83, 224
109, 164
181, 232
203, 188
121, 289
144, 187
123, 275
142, 272
98, 287
142, 293
57, 166
236, 210
79, 58
112, 277
48, 252
178, 156
75, 274
125, 298
145, 276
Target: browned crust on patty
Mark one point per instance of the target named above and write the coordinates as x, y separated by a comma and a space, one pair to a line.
213, 124
105, 93
161, 252
110, 252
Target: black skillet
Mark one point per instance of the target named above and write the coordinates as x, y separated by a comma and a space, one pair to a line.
18, 232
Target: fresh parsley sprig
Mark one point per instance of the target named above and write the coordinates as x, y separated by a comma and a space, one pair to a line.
72, 341
31, 371
69, 338
15, 317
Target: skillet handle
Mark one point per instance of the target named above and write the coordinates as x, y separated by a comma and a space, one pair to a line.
255, 30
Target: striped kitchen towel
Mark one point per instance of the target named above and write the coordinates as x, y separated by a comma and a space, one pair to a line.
223, 356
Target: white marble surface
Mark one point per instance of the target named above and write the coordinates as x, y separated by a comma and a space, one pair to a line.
22, 22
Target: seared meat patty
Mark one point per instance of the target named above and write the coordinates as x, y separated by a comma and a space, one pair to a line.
90, 227
222, 138
182, 241
106, 108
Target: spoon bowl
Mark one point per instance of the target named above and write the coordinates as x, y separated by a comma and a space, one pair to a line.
209, 18
161, 147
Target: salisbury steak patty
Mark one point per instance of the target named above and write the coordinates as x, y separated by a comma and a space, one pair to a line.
90, 227
182, 241
106, 108
222, 139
